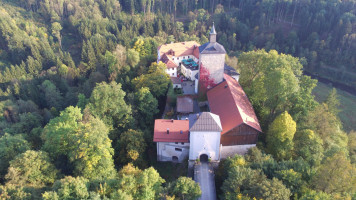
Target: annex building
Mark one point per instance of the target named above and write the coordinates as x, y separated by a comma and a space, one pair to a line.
229, 128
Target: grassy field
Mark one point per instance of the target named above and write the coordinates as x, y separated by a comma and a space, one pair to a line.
347, 105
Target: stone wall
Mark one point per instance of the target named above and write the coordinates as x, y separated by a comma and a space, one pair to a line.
229, 151
166, 150
215, 64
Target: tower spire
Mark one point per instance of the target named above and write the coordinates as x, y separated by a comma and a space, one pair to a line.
213, 34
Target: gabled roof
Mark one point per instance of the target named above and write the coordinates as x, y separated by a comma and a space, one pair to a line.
179, 48
178, 130
229, 101
167, 60
206, 121
212, 48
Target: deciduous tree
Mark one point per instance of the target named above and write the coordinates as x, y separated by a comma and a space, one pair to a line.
280, 136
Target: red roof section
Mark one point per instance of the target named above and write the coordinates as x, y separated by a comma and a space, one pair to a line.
168, 61
229, 101
178, 130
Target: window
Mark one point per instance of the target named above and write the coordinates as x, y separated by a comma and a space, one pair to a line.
176, 142
178, 149
172, 74
182, 143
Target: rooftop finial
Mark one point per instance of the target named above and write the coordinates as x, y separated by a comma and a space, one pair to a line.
213, 29
213, 34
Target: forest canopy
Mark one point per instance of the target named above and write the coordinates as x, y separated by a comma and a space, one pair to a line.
80, 89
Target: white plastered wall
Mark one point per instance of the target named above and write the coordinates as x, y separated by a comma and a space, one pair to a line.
166, 150
204, 143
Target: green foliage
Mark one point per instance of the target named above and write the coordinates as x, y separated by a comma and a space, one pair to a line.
10, 147
185, 188
328, 127
85, 142
52, 95
133, 57
132, 147
333, 102
71, 188
31, 168
107, 103
309, 146
250, 182
157, 80
280, 136
336, 175
314, 195
274, 83
136, 184
147, 105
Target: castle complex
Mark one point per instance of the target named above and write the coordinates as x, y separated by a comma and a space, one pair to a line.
230, 127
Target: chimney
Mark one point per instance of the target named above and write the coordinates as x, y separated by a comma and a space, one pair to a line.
197, 115
167, 130
172, 120
226, 86
186, 118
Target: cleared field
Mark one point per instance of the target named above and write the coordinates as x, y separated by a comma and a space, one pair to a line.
347, 104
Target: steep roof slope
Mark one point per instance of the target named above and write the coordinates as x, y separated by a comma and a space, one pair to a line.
229, 101
212, 48
206, 121
178, 130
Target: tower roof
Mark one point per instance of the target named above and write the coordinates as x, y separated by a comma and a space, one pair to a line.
212, 48
206, 121
212, 31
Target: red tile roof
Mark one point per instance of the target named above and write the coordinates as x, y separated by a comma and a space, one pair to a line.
229, 101
178, 130
176, 80
167, 59
179, 48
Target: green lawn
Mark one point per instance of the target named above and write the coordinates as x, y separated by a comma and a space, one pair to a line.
347, 105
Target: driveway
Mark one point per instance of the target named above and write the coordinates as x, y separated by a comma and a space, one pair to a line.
188, 87
204, 175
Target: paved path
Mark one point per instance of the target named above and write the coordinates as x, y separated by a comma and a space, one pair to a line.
204, 175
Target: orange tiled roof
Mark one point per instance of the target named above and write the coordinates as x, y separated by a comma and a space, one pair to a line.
229, 101
167, 59
180, 48
178, 130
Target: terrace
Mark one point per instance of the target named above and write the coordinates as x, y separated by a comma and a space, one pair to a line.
190, 64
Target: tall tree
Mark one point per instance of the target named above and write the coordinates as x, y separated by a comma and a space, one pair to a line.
336, 174
107, 103
132, 146
280, 136
56, 31
32, 168
333, 102
10, 147
309, 146
185, 188
85, 142
157, 80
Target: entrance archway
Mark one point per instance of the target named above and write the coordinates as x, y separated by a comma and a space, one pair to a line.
204, 158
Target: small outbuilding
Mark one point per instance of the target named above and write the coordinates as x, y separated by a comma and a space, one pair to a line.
185, 104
